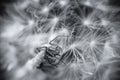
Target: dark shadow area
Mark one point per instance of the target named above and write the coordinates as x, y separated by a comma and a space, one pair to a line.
2, 6
114, 2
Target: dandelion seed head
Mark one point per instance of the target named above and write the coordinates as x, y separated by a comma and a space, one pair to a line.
87, 22
63, 2
31, 22
87, 3
93, 43
45, 10
55, 19
73, 46
57, 27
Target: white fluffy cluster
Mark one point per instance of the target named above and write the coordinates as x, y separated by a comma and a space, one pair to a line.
85, 30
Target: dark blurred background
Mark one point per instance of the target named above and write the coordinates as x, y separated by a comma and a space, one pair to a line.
2, 5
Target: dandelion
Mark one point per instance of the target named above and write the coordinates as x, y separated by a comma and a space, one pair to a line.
61, 36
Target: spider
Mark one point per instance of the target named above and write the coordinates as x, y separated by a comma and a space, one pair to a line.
51, 58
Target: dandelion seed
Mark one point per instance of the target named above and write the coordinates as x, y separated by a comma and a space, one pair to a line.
45, 10
87, 3
87, 22
55, 19
93, 43
63, 2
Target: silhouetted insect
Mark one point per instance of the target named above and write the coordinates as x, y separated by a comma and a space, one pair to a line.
51, 58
